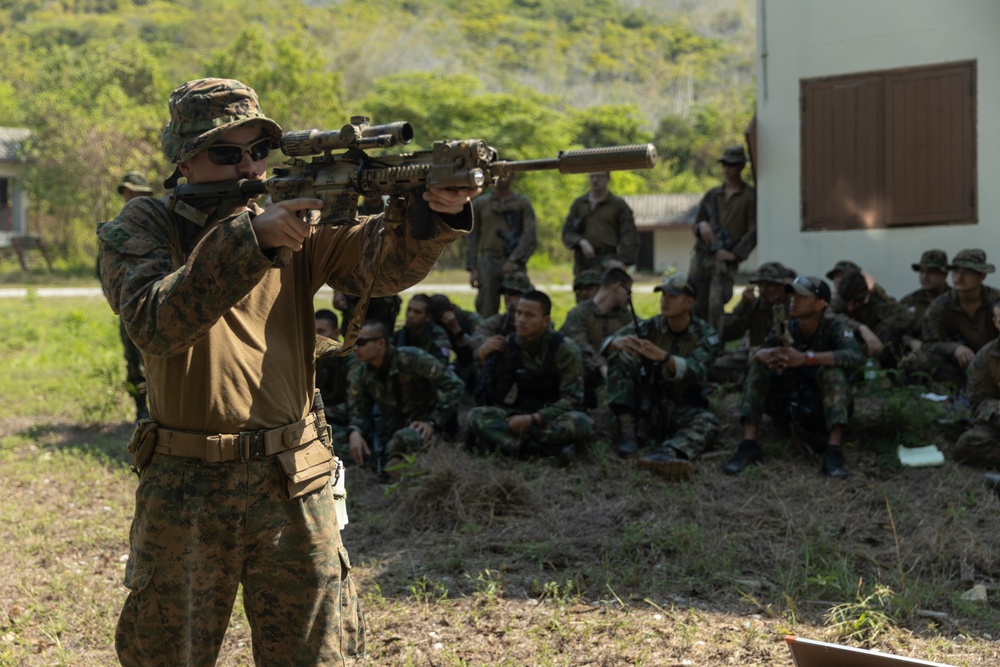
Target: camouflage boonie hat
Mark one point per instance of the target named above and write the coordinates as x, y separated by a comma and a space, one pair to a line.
135, 182
772, 272
843, 266
932, 259
516, 283
733, 155
587, 277
972, 258
203, 109
806, 285
676, 285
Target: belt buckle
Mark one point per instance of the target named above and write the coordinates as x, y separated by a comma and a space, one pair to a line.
251, 445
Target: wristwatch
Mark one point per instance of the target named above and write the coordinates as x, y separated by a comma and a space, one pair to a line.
810, 358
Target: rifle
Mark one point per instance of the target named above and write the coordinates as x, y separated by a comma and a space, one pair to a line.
485, 392
779, 313
340, 179
648, 389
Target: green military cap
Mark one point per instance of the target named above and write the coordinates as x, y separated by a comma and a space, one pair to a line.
972, 258
843, 266
932, 259
516, 282
733, 155
204, 109
587, 277
676, 285
806, 285
772, 272
135, 182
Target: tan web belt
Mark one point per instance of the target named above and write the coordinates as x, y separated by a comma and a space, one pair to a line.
244, 446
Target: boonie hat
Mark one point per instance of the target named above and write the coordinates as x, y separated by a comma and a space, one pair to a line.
806, 285
587, 277
516, 282
134, 181
202, 110
733, 155
932, 259
972, 258
843, 266
676, 285
772, 272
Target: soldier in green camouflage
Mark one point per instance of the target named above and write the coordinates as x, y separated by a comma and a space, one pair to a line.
540, 382
656, 383
511, 289
227, 333
878, 321
332, 369
805, 383
600, 229
417, 396
501, 242
980, 444
459, 325
585, 284
420, 331
933, 272
590, 322
957, 323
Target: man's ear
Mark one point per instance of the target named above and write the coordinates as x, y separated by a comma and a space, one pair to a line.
185, 168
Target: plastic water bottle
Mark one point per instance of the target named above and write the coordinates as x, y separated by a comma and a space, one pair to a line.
871, 374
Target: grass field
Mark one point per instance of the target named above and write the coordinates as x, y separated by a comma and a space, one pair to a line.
474, 561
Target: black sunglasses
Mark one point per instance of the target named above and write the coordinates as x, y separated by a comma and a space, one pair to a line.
230, 154
361, 342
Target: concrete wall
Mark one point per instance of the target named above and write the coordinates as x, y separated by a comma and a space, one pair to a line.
801, 39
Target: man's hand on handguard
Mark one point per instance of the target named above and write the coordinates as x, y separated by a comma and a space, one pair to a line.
446, 200
281, 224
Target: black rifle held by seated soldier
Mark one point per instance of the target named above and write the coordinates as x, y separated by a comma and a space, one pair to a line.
339, 179
647, 391
485, 391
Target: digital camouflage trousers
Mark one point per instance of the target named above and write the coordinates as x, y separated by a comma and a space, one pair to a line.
489, 425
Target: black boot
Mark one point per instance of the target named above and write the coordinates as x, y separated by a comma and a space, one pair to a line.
667, 462
627, 445
747, 453
833, 462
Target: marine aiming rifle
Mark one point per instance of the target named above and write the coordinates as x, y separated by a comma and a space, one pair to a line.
340, 179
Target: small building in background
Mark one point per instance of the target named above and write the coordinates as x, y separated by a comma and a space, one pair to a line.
13, 198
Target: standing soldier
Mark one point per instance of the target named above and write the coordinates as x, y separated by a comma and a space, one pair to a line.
725, 231
504, 237
417, 396
600, 229
933, 272
656, 383
544, 417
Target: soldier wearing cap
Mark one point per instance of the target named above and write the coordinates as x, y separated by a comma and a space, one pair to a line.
980, 444
235, 485
957, 323
600, 229
880, 323
586, 284
656, 383
134, 184
725, 231
512, 287
752, 319
803, 384
501, 242
933, 272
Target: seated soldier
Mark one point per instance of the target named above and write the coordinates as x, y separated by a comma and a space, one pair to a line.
656, 382
416, 396
957, 323
385, 309
980, 444
419, 330
752, 319
512, 287
458, 325
879, 322
586, 284
539, 382
837, 273
589, 322
933, 271
332, 369
805, 383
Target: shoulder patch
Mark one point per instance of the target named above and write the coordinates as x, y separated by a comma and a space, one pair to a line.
848, 333
713, 339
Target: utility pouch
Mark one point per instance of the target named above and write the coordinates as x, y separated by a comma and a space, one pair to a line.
142, 443
308, 467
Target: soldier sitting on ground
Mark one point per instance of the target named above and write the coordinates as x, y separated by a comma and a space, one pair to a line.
980, 444
933, 270
419, 330
586, 284
805, 383
459, 325
880, 323
332, 370
417, 396
502, 324
656, 382
539, 384
752, 319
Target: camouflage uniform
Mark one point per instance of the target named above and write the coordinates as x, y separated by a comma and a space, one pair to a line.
610, 228
980, 445
411, 385
433, 340
554, 377
889, 320
674, 408
505, 229
588, 328
463, 344
918, 300
816, 398
384, 309
228, 337
502, 324
332, 370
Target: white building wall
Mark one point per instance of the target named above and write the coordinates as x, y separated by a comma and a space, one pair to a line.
801, 39
672, 251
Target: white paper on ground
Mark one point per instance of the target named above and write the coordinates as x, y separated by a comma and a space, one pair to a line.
920, 456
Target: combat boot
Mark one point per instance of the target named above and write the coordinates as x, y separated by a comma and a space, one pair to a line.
833, 462
747, 452
627, 445
666, 462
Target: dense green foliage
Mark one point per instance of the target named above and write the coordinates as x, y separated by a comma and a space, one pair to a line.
90, 78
